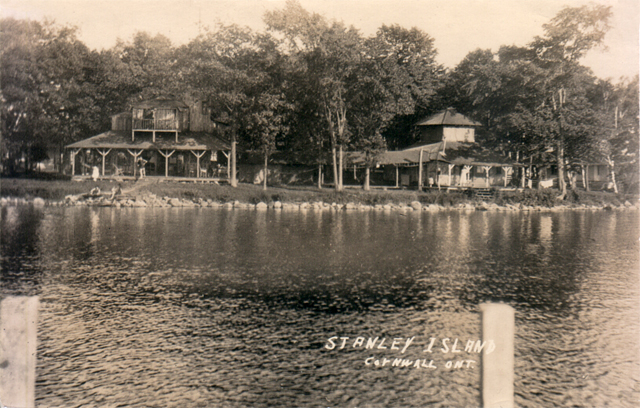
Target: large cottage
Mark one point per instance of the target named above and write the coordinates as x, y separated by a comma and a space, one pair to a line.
161, 138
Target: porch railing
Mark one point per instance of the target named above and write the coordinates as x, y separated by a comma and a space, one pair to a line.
151, 124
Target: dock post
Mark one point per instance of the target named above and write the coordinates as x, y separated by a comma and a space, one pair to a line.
498, 327
18, 334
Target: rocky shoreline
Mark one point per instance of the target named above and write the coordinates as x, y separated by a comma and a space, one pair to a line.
151, 200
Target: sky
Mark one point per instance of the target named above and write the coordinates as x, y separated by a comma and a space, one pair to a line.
457, 26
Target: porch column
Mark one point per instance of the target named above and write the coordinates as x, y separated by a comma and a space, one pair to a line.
166, 161
397, 176
72, 156
486, 169
198, 156
507, 172
464, 174
451, 166
135, 154
104, 155
228, 165
420, 170
585, 178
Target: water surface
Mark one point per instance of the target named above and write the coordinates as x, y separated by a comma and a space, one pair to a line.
209, 307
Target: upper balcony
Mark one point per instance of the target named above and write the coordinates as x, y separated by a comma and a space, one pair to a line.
159, 115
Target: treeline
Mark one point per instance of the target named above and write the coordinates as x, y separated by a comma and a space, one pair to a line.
314, 88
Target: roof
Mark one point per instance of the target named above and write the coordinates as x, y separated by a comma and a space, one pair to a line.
115, 139
430, 152
160, 103
449, 152
448, 117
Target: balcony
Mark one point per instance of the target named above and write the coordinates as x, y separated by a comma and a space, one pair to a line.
155, 124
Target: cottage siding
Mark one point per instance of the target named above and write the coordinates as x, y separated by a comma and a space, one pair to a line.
465, 135
200, 120
121, 121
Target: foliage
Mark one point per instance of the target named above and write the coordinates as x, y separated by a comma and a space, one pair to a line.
48, 89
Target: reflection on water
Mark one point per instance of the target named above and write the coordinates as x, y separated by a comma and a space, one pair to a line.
203, 307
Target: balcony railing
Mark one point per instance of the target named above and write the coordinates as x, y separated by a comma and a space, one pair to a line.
151, 124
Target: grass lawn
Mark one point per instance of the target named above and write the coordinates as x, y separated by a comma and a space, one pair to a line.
249, 193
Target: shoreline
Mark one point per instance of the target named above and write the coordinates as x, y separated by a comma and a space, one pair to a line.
149, 193
153, 201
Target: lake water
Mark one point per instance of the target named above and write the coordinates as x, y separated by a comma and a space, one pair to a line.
186, 307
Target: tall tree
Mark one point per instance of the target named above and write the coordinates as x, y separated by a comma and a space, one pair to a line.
48, 88
617, 143
326, 56
568, 36
535, 98
218, 66
402, 64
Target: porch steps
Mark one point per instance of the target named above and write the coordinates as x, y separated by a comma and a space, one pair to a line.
484, 193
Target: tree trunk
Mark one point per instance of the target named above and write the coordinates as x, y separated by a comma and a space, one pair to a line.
266, 170
613, 175
584, 178
562, 185
367, 173
340, 168
572, 180
335, 167
319, 176
233, 180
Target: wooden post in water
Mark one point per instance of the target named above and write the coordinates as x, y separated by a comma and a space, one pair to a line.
18, 333
498, 328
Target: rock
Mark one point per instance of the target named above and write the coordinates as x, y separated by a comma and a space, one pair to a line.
228, 206
261, 206
387, 207
174, 202
38, 202
304, 206
277, 204
416, 205
628, 204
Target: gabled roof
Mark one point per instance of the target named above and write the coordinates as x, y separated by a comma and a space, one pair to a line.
448, 117
160, 103
115, 139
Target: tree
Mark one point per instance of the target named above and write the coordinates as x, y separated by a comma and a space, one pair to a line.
617, 143
48, 89
568, 36
535, 98
403, 67
218, 67
324, 56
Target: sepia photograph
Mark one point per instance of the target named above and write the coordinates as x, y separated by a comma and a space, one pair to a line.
319, 203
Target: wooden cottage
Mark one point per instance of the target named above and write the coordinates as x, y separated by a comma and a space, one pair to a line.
174, 140
447, 156
447, 125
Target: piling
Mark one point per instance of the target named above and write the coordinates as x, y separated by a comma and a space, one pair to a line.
18, 333
498, 326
